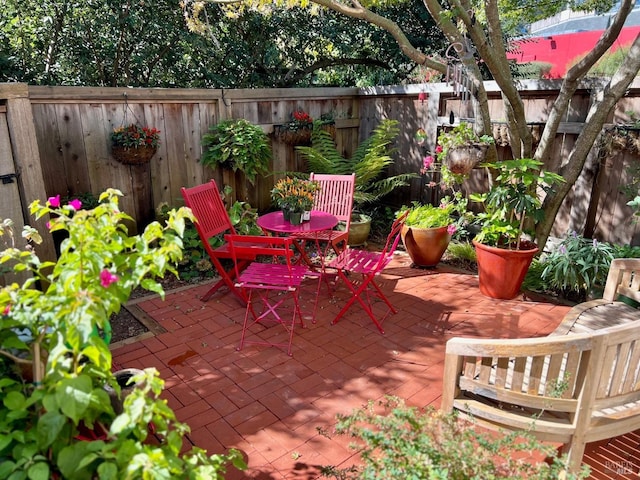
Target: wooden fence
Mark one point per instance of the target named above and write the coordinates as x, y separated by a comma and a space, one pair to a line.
72, 127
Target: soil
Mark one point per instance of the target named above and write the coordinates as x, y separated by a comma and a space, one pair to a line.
125, 325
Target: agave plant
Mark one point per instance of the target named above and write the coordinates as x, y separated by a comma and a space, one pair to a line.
369, 162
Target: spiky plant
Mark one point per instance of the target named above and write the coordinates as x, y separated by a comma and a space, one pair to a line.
369, 162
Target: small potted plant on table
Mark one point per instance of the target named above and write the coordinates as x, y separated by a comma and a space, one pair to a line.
511, 205
294, 196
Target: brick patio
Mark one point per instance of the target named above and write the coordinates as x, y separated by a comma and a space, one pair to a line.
269, 405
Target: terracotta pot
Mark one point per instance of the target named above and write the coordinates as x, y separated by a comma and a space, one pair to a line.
425, 246
359, 231
501, 271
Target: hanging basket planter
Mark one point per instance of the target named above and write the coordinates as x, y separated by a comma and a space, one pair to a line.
133, 155
462, 159
291, 136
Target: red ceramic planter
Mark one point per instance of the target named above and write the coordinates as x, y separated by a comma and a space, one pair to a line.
501, 271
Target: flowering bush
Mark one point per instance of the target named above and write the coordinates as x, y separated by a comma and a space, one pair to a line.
299, 119
294, 194
56, 419
134, 136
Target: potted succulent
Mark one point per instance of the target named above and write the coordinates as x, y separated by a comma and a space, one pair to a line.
511, 205
369, 162
133, 144
428, 228
238, 145
56, 417
461, 149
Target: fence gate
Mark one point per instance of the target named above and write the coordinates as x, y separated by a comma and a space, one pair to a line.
20, 174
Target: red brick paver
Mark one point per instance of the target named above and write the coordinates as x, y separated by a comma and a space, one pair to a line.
270, 406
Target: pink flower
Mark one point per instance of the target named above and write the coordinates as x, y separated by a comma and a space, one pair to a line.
427, 162
107, 278
438, 148
54, 201
6, 310
75, 204
451, 229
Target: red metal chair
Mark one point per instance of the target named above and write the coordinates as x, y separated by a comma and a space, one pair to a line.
335, 197
271, 281
212, 220
368, 265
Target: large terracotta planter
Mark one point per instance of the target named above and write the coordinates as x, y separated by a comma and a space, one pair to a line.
501, 271
425, 246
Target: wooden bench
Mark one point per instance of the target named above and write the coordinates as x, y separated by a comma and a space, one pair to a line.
572, 389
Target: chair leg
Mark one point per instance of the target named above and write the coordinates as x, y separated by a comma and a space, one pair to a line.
226, 278
269, 307
356, 295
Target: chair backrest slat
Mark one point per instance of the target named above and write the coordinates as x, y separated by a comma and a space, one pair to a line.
206, 204
335, 195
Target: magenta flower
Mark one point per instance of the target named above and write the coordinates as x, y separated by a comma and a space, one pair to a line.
107, 278
438, 148
75, 204
451, 229
54, 201
427, 162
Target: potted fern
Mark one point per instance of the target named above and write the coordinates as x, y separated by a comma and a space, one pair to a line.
369, 162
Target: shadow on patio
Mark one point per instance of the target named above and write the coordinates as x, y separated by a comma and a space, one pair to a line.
270, 406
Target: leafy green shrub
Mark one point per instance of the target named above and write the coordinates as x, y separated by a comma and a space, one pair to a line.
56, 418
238, 145
421, 443
577, 264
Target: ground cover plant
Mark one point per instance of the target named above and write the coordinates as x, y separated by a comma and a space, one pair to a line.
397, 441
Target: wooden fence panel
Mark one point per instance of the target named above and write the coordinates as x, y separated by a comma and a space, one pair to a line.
184, 115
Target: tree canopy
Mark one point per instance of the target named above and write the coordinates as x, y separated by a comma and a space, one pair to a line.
124, 43
476, 31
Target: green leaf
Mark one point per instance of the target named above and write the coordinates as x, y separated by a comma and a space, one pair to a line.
49, 427
74, 396
38, 471
14, 401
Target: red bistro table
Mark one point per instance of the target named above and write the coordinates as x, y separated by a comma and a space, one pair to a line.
319, 221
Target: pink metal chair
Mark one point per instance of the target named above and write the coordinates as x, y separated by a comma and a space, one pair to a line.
368, 265
271, 282
335, 197
212, 220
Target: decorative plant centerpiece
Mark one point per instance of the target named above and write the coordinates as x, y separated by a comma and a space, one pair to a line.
238, 145
461, 149
294, 196
512, 205
56, 418
428, 229
133, 144
296, 131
